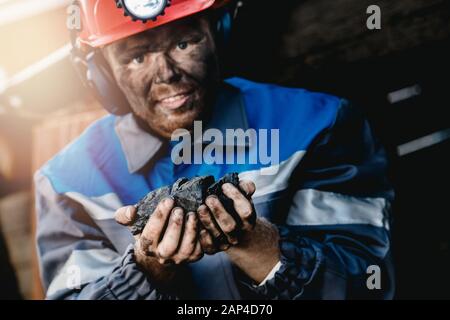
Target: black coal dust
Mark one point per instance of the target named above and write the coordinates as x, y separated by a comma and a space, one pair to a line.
188, 194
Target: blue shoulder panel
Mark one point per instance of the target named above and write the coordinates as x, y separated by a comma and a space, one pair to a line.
94, 165
300, 115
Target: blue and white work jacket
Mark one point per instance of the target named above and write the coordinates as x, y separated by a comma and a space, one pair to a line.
329, 198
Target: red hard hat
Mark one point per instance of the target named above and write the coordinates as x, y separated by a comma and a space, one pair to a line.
104, 23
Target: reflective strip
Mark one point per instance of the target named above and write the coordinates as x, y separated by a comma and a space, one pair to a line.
404, 94
424, 142
314, 208
83, 266
266, 184
99, 208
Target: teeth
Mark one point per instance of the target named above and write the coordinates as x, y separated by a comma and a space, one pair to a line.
174, 98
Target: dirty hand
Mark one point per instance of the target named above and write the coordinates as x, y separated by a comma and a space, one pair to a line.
252, 244
221, 230
158, 247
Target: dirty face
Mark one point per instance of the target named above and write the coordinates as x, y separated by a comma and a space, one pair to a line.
168, 74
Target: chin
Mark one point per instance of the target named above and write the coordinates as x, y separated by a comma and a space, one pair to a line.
166, 124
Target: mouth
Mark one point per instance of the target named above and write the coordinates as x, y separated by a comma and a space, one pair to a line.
175, 101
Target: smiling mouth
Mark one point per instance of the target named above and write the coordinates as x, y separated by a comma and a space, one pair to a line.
175, 101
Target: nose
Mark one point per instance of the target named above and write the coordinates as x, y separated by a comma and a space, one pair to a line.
167, 72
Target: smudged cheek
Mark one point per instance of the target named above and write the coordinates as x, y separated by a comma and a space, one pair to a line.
197, 70
197, 64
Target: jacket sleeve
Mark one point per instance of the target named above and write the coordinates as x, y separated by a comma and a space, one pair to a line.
77, 261
335, 241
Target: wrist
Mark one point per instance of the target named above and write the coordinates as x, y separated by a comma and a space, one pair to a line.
160, 274
259, 251
264, 232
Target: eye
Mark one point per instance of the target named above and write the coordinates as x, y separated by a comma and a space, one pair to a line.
139, 60
182, 45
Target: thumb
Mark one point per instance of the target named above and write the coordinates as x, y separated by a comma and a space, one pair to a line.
125, 215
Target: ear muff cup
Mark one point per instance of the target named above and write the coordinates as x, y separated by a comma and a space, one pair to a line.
96, 74
224, 25
102, 82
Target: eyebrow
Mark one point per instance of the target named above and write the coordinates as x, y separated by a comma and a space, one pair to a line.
125, 53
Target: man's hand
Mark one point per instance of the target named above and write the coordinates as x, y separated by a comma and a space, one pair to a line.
169, 237
220, 229
252, 244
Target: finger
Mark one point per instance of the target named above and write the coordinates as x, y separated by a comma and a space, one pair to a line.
197, 254
189, 239
242, 205
207, 243
208, 222
126, 215
248, 187
170, 241
154, 228
225, 221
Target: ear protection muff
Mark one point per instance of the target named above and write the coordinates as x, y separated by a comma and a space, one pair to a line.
224, 25
102, 82
96, 74
227, 16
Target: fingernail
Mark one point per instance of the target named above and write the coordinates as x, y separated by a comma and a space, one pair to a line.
178, 213
226, 187
203, 210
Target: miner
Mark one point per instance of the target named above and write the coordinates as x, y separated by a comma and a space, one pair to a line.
309, 230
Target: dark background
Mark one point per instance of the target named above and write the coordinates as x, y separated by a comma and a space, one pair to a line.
324, 45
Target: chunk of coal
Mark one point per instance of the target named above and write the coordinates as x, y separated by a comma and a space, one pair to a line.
178, 184
146, 206
188, 194
191, 194
216, 189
